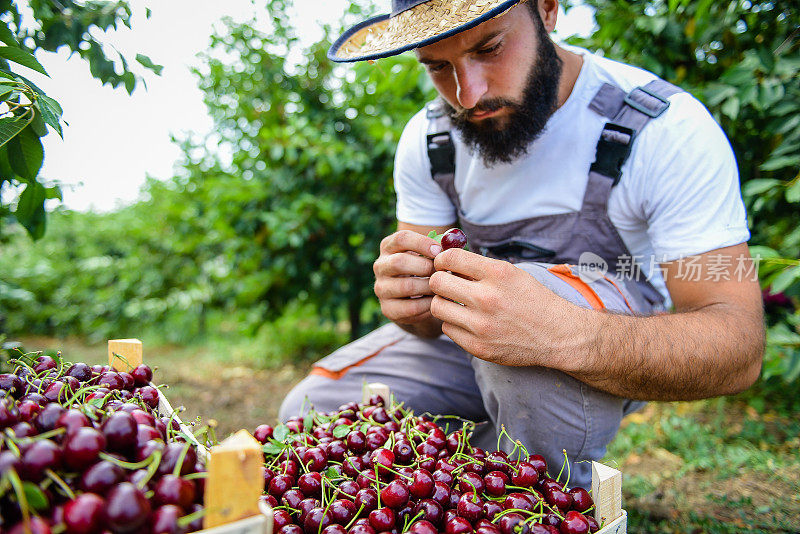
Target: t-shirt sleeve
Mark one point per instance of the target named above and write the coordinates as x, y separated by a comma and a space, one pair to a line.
692, 198
420, 200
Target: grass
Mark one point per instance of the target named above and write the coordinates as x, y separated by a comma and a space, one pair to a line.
725, 465
716, 465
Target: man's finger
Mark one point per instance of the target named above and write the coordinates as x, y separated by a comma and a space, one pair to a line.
405, 287
406, 310
465, 263
453, 287
399, 264
450, 312
408, 241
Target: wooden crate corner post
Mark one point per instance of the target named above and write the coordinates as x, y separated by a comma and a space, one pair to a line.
235, 480
607, 495
124, 354
376, 388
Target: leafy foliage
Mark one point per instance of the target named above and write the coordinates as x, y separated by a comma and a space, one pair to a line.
307, 196
26, 111
742, 59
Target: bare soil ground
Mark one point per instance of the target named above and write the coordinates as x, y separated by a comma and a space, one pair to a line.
236, 394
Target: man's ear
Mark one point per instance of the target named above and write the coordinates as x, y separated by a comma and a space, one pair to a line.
548, 11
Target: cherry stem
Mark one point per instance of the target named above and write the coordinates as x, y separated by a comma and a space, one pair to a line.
193, 476
186, 520
396, 472
408, 522
355, 517
566, 463
60, 483
179, 464
38, 437
129, 465
508, 511
16, 483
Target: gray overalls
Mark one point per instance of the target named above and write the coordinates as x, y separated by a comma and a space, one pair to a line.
545, 409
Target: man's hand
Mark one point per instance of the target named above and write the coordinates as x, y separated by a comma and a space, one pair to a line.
498, 312
712, 345
401, 279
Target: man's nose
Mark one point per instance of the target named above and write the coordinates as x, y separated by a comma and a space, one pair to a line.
471, 85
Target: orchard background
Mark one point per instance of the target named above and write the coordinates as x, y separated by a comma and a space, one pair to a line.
256, 266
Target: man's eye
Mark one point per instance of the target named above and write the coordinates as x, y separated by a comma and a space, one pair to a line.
489, 50
436, 67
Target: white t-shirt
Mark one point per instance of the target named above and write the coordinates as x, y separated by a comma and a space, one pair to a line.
679, 193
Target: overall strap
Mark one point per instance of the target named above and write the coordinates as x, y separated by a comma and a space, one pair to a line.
441, 151
629, 114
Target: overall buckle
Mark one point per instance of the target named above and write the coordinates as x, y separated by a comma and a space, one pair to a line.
442, 153
613, 150
654, 111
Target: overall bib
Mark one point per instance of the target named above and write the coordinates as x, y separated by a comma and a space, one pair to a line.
545, 409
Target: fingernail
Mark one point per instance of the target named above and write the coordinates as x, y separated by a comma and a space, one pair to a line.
435, 249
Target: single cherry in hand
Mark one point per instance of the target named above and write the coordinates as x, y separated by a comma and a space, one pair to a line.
453, 238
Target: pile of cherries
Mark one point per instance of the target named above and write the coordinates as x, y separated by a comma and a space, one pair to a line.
83, 450
377, 469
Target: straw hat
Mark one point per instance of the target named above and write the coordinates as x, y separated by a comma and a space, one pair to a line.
412, 24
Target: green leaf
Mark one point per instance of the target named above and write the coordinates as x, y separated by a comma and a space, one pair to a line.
18, 55
35, 496
785, 279
759, 186
280, 433
30, 209
6, 90
10, 127
37, 124
147, 62
341, 431
272, 449
51, 112
26, 154
53, 192
781, 162
308, 421
331, 473
793, 191
731, 107
7, 36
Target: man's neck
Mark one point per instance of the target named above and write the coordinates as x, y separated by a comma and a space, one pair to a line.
570, 69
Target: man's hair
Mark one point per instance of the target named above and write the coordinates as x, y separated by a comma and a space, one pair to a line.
533, 8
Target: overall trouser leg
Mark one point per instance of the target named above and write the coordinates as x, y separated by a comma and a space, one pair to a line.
549, 411
427, 375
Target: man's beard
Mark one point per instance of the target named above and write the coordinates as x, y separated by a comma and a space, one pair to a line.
504, 139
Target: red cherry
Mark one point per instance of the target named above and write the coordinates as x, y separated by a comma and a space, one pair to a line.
470, 507
263, 433
574, 523
422, 527
127, 508
84, 514
458, 525
453, 238
382, 519
395, 494
581, 500
82, 448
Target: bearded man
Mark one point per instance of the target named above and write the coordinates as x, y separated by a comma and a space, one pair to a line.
550, 159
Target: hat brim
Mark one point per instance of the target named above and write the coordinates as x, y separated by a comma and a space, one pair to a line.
373, 25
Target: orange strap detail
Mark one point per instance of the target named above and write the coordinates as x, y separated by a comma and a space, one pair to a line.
336, 375
628, 304
565, 273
